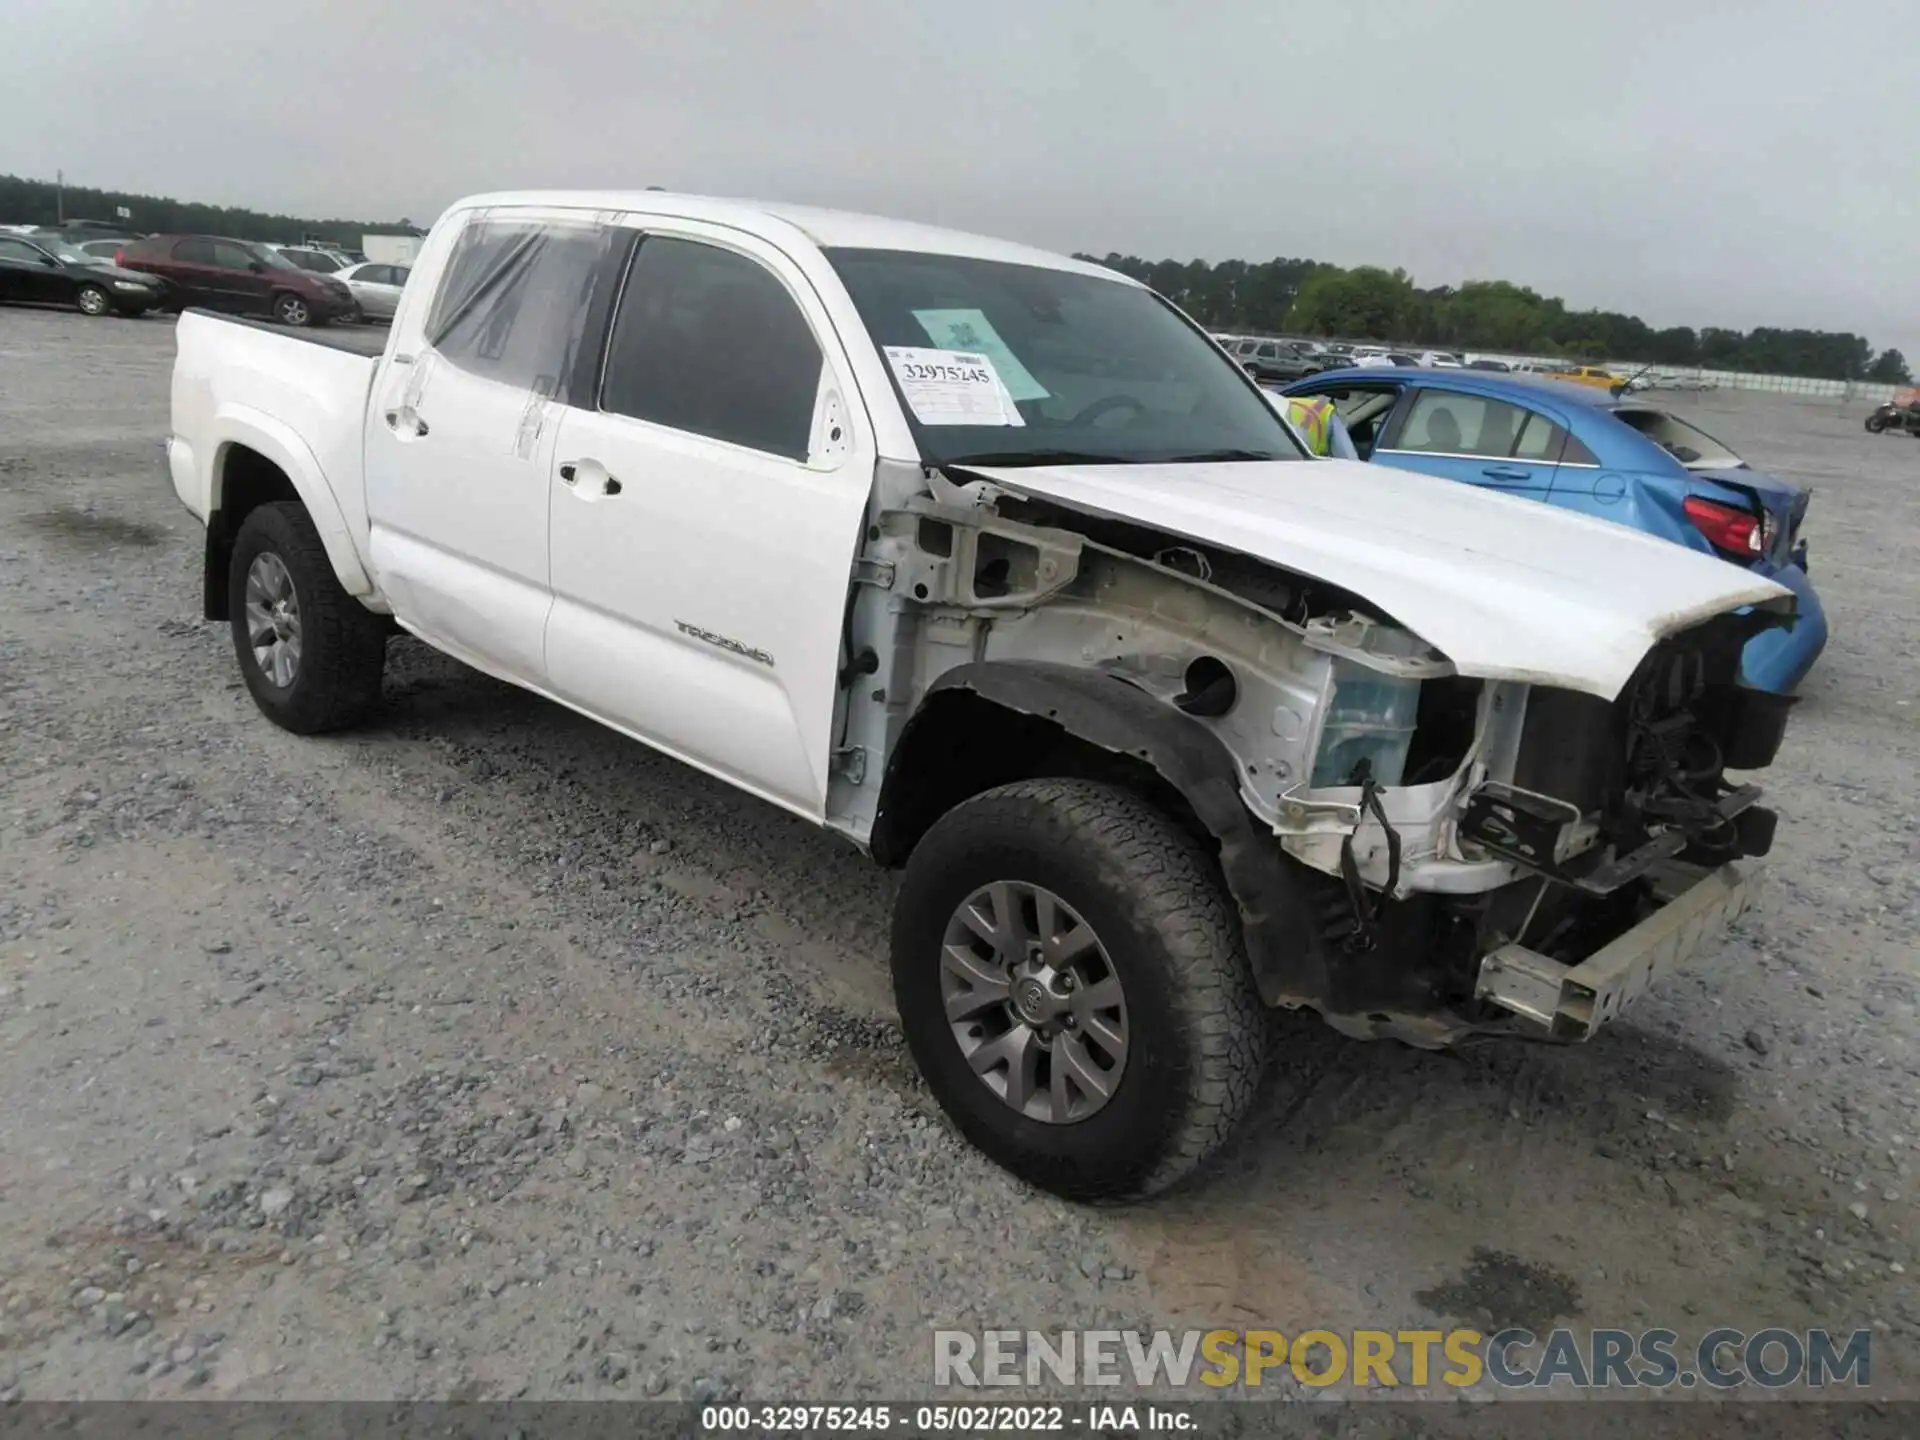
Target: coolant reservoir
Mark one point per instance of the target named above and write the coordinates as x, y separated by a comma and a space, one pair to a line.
1371, 718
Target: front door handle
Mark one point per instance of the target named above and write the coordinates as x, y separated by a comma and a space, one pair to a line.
589, 479
1507, 472
406, 423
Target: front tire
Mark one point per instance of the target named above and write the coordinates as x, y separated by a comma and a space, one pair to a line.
1073, 985
93, 301
312, 655
1875, 424
290, 309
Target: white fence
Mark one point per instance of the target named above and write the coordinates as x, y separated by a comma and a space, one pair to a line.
1678, 377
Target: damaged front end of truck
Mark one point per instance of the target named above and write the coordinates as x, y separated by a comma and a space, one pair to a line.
1415, 850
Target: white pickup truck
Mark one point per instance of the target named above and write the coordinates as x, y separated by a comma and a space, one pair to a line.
995, 563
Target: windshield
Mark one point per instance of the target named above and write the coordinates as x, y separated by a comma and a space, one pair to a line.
1688, 444
72, 254
1020, 364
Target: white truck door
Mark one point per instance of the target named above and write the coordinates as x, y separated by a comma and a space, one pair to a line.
705, 516
460, 437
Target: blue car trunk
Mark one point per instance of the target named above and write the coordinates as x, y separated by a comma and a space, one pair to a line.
1785, 505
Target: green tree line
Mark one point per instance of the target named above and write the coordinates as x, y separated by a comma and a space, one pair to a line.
1310, 297
1280, 296
38, 202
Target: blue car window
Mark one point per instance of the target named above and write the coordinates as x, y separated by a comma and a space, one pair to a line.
1577, 454
1447, 422
1539, 440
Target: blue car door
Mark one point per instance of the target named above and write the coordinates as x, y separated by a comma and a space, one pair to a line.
1475, 439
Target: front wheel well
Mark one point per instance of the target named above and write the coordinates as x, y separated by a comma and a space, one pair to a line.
244, 480
962, 744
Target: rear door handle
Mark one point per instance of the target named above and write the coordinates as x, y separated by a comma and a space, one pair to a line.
1507, 472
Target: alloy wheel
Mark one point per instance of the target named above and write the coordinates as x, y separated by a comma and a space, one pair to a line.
1034, 1002
273, 619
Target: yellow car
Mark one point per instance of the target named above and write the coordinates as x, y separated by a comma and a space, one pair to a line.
1588, 375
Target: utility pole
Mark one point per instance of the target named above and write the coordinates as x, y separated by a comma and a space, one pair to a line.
59, 196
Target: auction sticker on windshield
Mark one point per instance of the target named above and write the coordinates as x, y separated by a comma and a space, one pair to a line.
952, 387
971, 330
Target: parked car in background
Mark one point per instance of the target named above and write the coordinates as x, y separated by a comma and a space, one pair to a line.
77, 230
1498, 367
320, 262
241, 277
376, 288
51, 272
1278, 361
1594, 375
1440, 360
1616, 458
1387, 359
101, 249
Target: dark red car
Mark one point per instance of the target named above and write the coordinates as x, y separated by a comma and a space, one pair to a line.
238, 276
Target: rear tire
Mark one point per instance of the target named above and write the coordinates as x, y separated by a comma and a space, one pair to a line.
93, 301
312, 655
1177, 1033
290, 309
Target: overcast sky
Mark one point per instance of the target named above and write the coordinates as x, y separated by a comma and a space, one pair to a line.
1737, 162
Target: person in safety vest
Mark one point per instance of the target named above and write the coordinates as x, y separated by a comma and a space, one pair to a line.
1321, 427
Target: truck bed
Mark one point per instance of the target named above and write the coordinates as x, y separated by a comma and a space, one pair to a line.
298, 399
354, 339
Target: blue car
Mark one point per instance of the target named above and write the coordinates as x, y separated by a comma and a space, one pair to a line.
1614, 457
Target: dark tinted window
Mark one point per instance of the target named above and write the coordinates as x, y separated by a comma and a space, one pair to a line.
710, 342
514, 300
194, 252
229, 256
20, 250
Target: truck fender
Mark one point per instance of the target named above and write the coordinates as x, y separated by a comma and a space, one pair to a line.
1284, 947
243, 425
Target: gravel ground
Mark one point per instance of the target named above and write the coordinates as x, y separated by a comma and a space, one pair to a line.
483, 1054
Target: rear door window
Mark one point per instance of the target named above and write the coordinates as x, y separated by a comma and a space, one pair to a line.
1449, 422
710, 342
514, 303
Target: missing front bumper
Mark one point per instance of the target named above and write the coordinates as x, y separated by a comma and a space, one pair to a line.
1571, 1002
